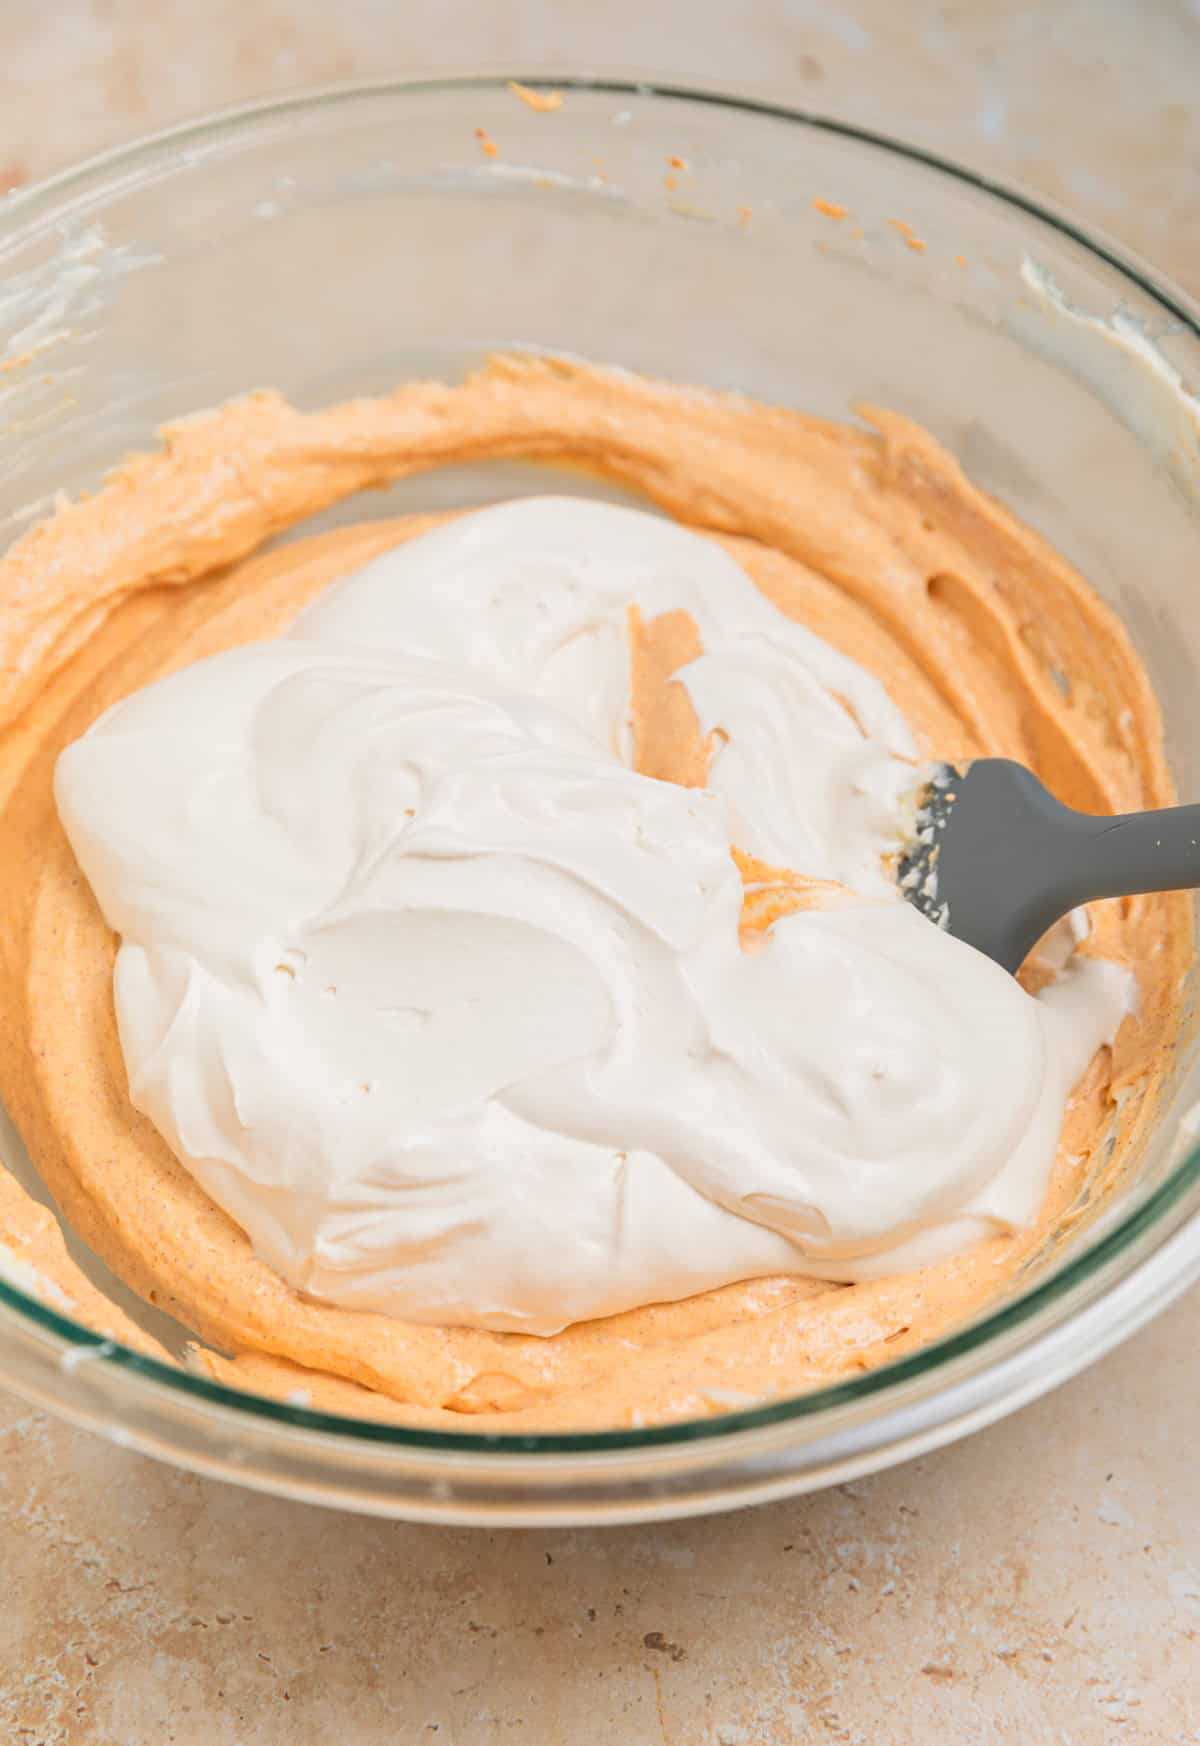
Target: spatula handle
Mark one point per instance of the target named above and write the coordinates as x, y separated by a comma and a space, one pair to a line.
1012, 859
1135, 851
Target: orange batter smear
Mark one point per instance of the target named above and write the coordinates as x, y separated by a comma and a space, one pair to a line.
668, 744
541, 101
487, 144
773, 892
761, 909
911, 240
667, 741
831, 208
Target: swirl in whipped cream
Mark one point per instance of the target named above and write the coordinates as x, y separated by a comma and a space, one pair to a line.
447, 1006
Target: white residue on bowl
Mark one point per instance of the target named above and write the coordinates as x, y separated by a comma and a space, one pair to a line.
1119, 360
41, 306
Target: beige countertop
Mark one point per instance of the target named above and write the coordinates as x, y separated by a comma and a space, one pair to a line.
1039, 1583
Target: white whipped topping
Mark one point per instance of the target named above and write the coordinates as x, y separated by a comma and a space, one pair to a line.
446, 1006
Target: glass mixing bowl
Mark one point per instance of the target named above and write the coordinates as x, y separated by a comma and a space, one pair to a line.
331, 244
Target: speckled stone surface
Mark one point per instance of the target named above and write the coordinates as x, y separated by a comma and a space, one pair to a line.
1039, 1583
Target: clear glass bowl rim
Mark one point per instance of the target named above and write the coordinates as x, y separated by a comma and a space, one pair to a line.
20, 213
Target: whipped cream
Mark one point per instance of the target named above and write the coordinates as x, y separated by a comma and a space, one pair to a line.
446, 1006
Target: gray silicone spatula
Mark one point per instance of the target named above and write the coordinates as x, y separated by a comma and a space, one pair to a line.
996, 860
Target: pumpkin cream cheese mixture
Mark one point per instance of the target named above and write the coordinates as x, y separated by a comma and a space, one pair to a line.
453, 965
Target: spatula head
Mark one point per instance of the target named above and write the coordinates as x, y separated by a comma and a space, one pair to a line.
983, 859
